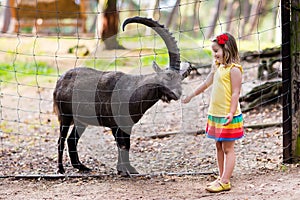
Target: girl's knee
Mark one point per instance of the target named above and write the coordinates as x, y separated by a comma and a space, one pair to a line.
228, 151
228, 147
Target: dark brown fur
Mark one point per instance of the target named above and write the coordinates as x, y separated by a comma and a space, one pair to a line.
85, 96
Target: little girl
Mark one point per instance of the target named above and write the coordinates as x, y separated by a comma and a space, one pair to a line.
225, 120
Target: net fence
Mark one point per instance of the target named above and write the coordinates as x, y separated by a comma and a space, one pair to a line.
41, 40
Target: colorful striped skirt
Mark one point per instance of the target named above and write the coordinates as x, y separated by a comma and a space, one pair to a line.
218, 132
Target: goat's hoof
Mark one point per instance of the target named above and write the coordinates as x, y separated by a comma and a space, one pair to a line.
83, 169
61, 171
126, 170
86, 170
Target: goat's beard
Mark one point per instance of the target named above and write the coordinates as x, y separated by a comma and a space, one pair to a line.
169, 95
165, 98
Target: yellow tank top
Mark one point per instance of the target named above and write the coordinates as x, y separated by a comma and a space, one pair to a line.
221, 92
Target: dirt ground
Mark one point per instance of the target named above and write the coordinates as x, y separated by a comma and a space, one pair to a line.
259, 185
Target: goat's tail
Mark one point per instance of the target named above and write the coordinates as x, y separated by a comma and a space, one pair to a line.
55, 106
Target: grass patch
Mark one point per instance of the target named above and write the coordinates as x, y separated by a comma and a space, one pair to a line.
108, 64
133, 58
22, 69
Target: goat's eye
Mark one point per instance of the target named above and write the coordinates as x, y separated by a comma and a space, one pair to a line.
170, 76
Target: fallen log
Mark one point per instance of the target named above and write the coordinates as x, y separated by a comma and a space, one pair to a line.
267, 93
252, 56
268, 67
168, 134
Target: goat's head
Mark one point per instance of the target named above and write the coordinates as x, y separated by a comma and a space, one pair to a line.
168, 83
169, 79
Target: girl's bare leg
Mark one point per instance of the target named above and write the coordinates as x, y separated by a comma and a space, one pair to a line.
229, 161
220, 157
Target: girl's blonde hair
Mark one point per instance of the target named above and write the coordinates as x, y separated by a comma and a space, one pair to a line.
229, 47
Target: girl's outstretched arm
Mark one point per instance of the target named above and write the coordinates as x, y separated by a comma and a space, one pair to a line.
236, 83
208, 81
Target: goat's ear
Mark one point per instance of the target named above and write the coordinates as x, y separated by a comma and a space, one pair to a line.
156, 68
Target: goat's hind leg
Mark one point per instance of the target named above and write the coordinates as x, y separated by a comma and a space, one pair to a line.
73, 139
64, 128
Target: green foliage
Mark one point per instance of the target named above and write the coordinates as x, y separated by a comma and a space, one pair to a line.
107, 64
5, 128
283, 168
22, 69
160, 59
136, 58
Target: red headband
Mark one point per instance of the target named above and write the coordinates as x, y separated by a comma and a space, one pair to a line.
222, 39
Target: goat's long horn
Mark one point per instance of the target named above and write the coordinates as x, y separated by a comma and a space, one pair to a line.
173, 50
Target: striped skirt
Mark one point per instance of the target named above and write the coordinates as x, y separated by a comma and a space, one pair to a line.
218, 132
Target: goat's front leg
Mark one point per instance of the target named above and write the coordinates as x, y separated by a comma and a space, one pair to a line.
72, 145
124, 167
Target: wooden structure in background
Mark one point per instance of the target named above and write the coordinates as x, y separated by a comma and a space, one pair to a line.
49, 13
290, 49
295, 77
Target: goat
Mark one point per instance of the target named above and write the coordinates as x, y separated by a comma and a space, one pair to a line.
85, 96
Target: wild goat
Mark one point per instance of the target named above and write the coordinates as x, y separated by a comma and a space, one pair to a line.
85, 96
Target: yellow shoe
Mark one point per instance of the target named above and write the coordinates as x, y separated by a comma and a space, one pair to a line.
218, 186
214, 182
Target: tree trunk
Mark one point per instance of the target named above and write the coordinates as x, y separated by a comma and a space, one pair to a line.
212, 25
196, 22
173, 14
151, 13
275, 20
229, 14
108, 25
7, 17
154, 9
254, 15
246, 14
257, 11
156, 14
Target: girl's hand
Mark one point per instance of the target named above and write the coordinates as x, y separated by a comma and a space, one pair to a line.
186, 99
229, 118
